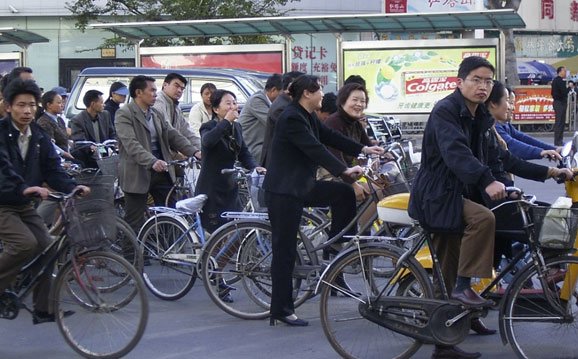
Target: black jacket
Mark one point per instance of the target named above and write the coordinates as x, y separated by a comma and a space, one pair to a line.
111, 107
298, 148
275, 111
454, 164
83, 130
559, 89
42, 163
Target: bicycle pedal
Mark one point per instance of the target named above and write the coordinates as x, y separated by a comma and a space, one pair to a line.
9, 305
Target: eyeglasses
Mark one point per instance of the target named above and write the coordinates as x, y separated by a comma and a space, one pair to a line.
479, 82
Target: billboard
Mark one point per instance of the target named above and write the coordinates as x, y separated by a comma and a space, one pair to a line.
265, 58
533, 104
411, 76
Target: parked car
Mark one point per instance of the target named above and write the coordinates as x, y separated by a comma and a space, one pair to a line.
242, 83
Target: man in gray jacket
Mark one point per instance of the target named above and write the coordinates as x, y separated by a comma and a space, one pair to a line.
253, 117
145, 142
167, 104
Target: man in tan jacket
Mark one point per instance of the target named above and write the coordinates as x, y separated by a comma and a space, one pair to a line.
145, 142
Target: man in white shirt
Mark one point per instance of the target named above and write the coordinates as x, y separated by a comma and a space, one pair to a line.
202, 112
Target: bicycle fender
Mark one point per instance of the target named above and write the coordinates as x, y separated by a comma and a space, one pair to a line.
226, 226
178, 218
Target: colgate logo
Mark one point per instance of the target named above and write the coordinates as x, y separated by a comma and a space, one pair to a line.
426, 85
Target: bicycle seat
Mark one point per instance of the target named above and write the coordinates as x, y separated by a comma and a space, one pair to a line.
192, 205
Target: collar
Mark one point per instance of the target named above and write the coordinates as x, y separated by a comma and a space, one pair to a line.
28, 132
482, 114
170, 100
269, 102
51, 116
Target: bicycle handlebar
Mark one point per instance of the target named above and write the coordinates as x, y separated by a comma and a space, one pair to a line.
107, 143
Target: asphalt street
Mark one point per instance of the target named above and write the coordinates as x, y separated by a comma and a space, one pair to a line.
193, 327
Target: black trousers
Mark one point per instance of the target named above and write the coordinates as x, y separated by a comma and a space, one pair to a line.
560, 123
136, 203
285, 215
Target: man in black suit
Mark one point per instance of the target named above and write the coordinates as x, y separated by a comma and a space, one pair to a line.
297, 149
560, 96
92, 124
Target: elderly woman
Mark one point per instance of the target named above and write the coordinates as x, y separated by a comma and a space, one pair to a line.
222, 145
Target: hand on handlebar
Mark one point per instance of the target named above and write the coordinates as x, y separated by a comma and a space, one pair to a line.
561, 174
373, 150
82, 190
551, 155
160, 166
352, 174
36, 191
496, 190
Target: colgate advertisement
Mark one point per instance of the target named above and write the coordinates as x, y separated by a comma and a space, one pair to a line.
426, 83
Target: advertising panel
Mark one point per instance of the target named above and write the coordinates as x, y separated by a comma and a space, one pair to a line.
533, 104
410, 79
265, 58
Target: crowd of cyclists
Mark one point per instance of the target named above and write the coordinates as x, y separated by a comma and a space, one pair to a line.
306, 143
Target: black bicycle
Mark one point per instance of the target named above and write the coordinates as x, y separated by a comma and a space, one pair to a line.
98, 298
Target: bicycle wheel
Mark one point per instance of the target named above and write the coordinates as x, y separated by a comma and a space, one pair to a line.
239, 257
170, 257
536, 327
354, 280
96, 323
177, 192
126, 245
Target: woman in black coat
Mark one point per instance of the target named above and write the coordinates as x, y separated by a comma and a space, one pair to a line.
222, 145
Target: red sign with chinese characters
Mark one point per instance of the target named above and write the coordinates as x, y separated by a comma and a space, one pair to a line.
574, 11
395, 6
548, 9
533, 104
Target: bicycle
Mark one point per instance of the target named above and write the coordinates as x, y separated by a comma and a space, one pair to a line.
184, 186
240, 252
93, 289
395, 311
171, 242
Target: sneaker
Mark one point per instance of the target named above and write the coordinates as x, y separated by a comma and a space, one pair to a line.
39, 317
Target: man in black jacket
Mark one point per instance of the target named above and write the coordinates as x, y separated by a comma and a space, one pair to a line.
28, 159
92, 124
297, 148
560, 96
451, 182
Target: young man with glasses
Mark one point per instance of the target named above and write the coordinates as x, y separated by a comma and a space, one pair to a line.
447, 196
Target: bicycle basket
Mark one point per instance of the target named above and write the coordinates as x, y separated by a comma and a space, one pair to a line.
256, 191
108, 165
90, 222
555, 228
101, 187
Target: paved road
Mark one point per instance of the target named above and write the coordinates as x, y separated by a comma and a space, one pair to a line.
194, 327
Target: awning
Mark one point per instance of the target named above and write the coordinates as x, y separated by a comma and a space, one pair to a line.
22, 38
491, 19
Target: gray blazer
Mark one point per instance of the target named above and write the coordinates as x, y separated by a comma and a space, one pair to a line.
253, 120
136, 159
173, 114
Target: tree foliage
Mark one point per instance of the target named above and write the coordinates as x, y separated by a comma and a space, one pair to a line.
511, 69
91, 11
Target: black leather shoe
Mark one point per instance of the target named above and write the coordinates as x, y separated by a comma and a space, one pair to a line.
45, 317
291, 320
471, 298
480, 328
453, 352
226, 297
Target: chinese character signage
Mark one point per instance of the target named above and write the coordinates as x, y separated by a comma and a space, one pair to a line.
395, 6
540, 46
316, 55
417, 6
574, 11
533, 104
547, 9
410, 79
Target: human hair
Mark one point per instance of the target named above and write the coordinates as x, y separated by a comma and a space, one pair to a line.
48, 98
20, 87
173, 75
289, 77
355, 79
571, 82
510, 90
274, 81
90, 96
559, 69
139, 82
346, 91
303, 83
217, 97
19, 70
472, 63
329, 103
496, 94
208, 86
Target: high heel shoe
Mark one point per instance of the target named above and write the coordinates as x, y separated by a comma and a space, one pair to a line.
291, 320
344, 288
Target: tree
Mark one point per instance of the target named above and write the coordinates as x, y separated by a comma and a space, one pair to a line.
88, 11
511, 69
